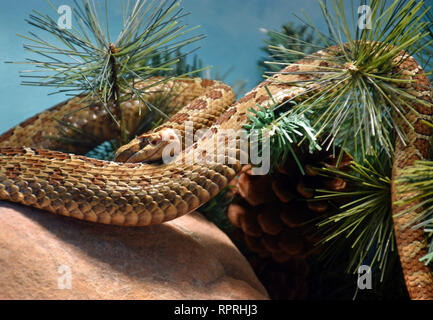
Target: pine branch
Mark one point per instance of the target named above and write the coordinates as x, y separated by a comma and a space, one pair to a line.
359, 99
416, 182
364, 221
84, 59
283, 129
355, 108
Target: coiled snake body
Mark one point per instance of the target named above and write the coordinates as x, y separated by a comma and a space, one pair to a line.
138, 194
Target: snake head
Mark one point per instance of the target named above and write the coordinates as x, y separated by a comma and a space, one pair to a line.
147, 147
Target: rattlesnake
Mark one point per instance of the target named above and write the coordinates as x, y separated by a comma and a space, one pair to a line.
138, 194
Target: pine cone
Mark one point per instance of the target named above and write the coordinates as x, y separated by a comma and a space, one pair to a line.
276, 223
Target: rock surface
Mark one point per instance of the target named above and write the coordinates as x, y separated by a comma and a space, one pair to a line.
44, 256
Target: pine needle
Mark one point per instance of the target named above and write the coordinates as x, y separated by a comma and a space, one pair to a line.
359, 95
83, 59
283, 129
364, 221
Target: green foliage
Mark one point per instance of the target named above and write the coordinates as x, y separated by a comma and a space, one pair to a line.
356, 99
85, 59
365, 218
417, 183
282, 129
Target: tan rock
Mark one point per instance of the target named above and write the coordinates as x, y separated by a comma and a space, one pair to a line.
44, 256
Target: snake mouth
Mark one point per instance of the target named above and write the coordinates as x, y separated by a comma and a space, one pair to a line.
124, 155
128, 150
149, 148
134, 156
149, 156
146, 148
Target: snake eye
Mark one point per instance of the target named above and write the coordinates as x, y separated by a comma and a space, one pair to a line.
143, 142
